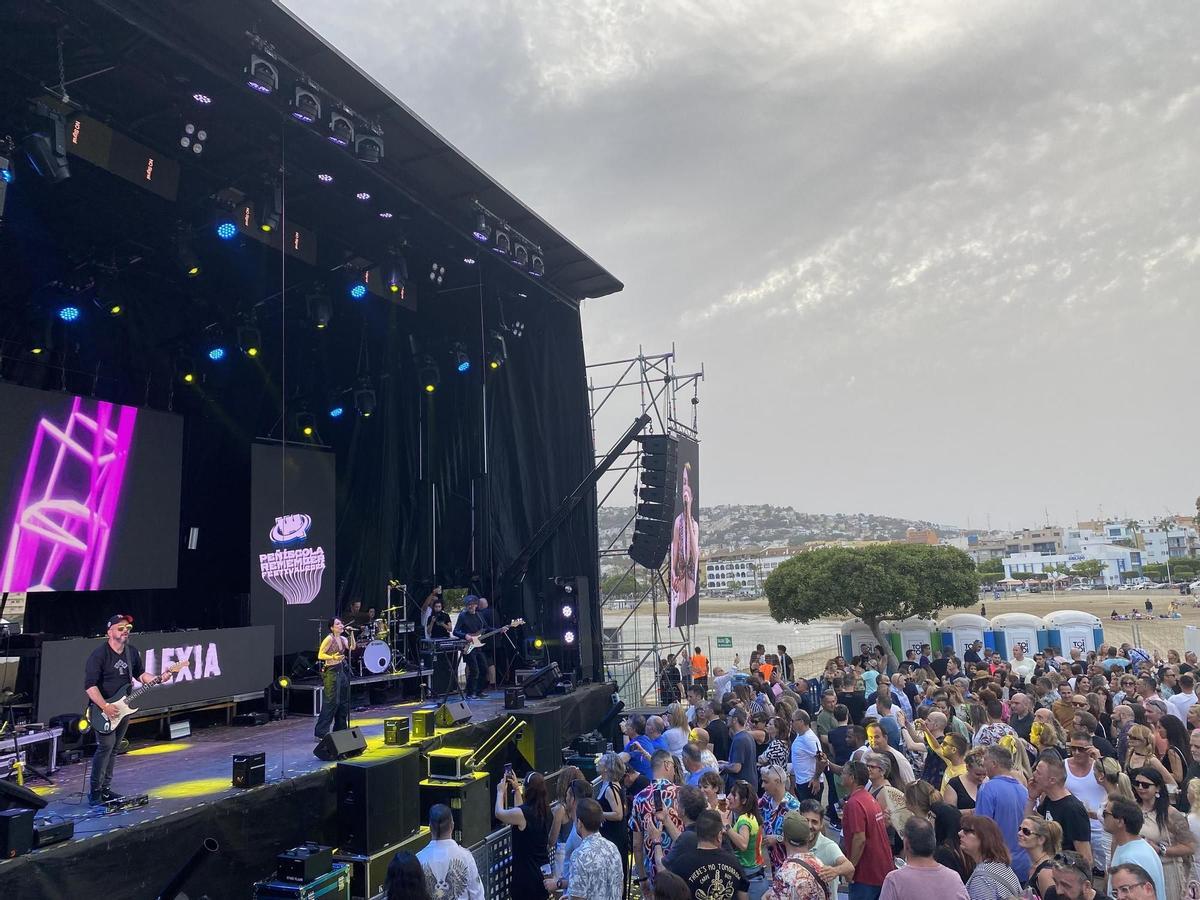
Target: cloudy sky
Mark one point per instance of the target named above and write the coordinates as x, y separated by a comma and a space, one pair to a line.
939, 259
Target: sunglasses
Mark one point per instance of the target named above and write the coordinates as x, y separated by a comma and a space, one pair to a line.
124, 628
1075, 749
1025, 831
1144, 784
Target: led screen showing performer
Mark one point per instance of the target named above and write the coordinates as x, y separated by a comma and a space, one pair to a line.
685, 538
89, 493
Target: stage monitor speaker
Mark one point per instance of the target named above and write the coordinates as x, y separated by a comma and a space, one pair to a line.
249, 770
514, 698
15, 796
541, 743
470, 803
395, 731
452, 712
340, 745
423, 722
16, 832
541, 682
377, 805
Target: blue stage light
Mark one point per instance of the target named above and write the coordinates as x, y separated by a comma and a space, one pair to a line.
68, 313
216, 354
358, 290
464, 366
226, 231
336, 412
6, 175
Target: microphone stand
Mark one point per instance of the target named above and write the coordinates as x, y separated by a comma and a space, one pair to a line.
417, 634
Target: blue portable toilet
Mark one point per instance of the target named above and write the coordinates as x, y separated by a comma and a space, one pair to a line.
961, 630
1018, 628
1070, 629
855, 633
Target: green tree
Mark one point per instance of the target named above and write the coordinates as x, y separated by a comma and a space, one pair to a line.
990, 571
1154, 571
882, 581
621, 584
734, 586
1091, 569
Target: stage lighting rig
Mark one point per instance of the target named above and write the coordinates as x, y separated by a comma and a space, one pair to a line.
185, 254
497, 351
69, 312
112, 308
369, 147
520, 256
320, 310
364, 399
537, 265
185, 369
503, 244
262, 75
249, 340
270, 209
397, 273
306, 105
437, 273
306, 425
462, 362
193, 138
46, 148
482, 231
341, 129
429, 375
336, 410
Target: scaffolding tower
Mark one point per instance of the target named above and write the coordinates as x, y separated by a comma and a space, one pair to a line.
646, 384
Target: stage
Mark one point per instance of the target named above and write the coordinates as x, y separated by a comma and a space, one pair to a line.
134, 853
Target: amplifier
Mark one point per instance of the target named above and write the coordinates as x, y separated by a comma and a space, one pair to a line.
303, 864
367, 872
395, 731
16, 832
590, 743
333, 885
249, 769
514, 698
470, 803
424, 720
49, 830
448, 762
586, 764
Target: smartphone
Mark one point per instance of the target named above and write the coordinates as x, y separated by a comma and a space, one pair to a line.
508, 771
658, 801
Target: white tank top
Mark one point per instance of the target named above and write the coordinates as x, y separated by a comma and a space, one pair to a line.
1086, 790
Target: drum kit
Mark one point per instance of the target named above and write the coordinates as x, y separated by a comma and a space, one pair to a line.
379, 643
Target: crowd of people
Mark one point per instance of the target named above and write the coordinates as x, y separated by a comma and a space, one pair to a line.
1051, 776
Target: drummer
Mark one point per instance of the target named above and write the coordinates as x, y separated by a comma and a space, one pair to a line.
354, 616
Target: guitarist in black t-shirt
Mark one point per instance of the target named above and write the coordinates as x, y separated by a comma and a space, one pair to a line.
112, 666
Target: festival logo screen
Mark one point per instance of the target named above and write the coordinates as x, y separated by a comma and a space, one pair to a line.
685, 538
292, 543
89, 493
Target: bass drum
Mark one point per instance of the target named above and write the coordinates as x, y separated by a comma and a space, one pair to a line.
374, 657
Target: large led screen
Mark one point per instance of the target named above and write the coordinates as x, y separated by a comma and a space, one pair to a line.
89, 493
292, 543
685, 538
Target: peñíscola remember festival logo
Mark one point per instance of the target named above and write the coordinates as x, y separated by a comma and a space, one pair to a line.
292, 569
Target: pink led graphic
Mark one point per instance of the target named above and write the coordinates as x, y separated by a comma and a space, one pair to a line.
69, 500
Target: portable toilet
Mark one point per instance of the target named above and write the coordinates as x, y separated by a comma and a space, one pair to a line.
909, 634
961, 630
1012, 629
1070, 629
855, 633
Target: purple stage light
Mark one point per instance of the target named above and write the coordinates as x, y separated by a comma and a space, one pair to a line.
69, 500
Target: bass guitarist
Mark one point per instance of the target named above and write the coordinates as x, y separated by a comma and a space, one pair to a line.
470, 623
112, 666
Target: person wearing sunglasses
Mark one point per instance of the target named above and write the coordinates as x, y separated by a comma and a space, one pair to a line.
1073, 880
111, 667
992, 878
1165, 827
1042, 840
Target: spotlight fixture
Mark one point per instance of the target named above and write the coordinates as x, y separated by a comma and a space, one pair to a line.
306, 425
185, 255
306, 106
364, 399
68, 312
358, 290
363, 195
341, 131
226, 230
320, 310
437, 273
503, 244
520, 257
193, 138
46, 150
385, 215
568, 637
369, 148
270, 210
482, 231
470, 259
112, 308
185, 368
462, 362
262, 75
429, 375
216, 353
6, 172
537, 265
249, 340
567, 611
336, 411
497, 351
325, 178
202, 99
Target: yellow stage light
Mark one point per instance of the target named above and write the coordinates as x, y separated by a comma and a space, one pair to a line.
157, 749
196, 788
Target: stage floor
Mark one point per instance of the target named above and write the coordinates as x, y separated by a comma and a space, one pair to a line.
180, 774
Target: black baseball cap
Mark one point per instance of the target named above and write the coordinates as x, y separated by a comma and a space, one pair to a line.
117, 619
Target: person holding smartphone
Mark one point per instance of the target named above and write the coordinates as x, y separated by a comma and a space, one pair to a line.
529, 815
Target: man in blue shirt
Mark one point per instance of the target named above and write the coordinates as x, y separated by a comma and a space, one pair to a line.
638, 746
742, 753
1002, 798
1123, 819
655, 727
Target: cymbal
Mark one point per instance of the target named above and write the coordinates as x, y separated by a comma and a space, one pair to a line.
393, 608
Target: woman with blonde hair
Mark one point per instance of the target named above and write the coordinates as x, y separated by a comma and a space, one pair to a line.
611, 797
676, 734
961, 791
1042, 840
1021, 770
1110, 777
919, 799
1142, 753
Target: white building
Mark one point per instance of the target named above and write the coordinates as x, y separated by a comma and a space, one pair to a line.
744, 569
1116, 559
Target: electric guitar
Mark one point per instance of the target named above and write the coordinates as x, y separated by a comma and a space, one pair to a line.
104, 723
475, 641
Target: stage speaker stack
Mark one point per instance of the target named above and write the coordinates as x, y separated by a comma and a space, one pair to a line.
395, 731
340, 745
541, 742
470, 803
540, 682
376, 803
249, 770
451, 713
423, 722
656, 511
369, 870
